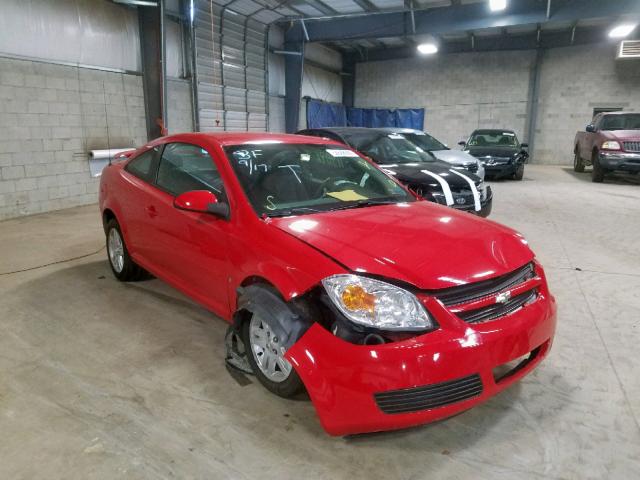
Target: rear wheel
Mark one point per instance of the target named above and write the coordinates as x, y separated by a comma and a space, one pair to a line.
597, 174
519, 172
578, 165
122, 266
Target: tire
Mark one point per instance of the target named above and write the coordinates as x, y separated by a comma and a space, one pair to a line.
578, 165
597, 174
123, 268
284, 381
519, 172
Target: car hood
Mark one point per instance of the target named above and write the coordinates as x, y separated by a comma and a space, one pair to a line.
457, 157
492, 151
413, 173
633, 135
421, 243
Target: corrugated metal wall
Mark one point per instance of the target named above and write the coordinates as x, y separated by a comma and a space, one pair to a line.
230, 69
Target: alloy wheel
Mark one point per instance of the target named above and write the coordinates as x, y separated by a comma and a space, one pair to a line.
116, 250
268, 351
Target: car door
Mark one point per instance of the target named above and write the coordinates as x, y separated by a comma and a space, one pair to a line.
134, 200
190, 248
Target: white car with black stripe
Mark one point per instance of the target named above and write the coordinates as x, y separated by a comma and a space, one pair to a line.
459, 159
418, 169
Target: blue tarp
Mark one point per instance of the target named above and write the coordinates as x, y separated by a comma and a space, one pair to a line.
324, 114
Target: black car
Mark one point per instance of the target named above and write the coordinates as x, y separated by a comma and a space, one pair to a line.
419, 170
499, 151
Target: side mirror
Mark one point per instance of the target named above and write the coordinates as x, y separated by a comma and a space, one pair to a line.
201, 201
462, 143
524, 145
591, 128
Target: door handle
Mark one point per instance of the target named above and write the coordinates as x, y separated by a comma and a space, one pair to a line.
151, 211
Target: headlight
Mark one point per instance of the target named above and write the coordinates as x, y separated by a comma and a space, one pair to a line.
376, 304
611, 145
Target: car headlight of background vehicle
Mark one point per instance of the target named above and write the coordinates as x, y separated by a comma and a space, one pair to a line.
377, 304
611, 145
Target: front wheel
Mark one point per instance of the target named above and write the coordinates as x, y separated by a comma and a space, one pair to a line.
578, 165
122, 266
265, 353
597, 174
519, 172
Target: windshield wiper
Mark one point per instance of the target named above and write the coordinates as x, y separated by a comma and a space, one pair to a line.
366, 202
287, 212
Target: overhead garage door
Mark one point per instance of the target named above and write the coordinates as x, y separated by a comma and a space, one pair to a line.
230, 69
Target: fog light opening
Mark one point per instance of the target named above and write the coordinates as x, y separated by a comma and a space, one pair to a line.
506, 370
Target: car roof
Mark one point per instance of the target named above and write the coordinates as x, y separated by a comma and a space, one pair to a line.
619, 113
490, 131
238, 138
346, 130
399, 130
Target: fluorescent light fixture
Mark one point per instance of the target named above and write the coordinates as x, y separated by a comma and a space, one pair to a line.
427, 48
622, 31
497, 5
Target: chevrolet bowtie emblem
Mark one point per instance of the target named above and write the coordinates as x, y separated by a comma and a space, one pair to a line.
503, 297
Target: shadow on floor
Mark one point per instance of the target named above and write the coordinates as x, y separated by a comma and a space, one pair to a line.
612, 178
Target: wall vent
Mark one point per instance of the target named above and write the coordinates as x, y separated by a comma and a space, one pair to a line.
628, 49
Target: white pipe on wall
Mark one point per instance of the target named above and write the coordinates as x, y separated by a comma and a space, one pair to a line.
98, 159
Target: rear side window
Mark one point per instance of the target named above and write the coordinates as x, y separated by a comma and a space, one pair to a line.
143, 166
185, 167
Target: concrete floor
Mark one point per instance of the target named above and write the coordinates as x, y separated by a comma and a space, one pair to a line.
100, 379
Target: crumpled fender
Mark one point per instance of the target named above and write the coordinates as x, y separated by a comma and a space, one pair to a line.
287, 324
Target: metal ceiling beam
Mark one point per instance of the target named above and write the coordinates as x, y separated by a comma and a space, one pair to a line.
581, 36
458, 18
293, 70
367, 6
322, 7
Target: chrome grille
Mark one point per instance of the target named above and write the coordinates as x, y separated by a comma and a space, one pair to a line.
475, 291
498, 310
631, 146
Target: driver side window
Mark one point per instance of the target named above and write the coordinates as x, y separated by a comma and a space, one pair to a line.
184, 167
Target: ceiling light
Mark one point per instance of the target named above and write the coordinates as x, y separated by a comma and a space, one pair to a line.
496, 5
622, 31
427, 48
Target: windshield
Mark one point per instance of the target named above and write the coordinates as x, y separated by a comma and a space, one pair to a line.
493, 139
385, 148
621, 122
291, 179
426, 142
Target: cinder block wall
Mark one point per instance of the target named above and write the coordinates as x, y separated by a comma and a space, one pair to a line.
461, 92
50, 117
574, 81
179, 106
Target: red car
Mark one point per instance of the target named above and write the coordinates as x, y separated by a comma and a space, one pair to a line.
390, 311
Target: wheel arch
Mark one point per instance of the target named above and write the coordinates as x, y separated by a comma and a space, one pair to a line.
107, 216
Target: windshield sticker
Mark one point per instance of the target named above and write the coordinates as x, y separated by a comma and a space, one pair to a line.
305, 157
395, 136
346, 196
342, 153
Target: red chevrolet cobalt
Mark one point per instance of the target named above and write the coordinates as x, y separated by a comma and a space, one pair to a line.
390, 311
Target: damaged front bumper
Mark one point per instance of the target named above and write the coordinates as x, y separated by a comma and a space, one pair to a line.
367, 388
